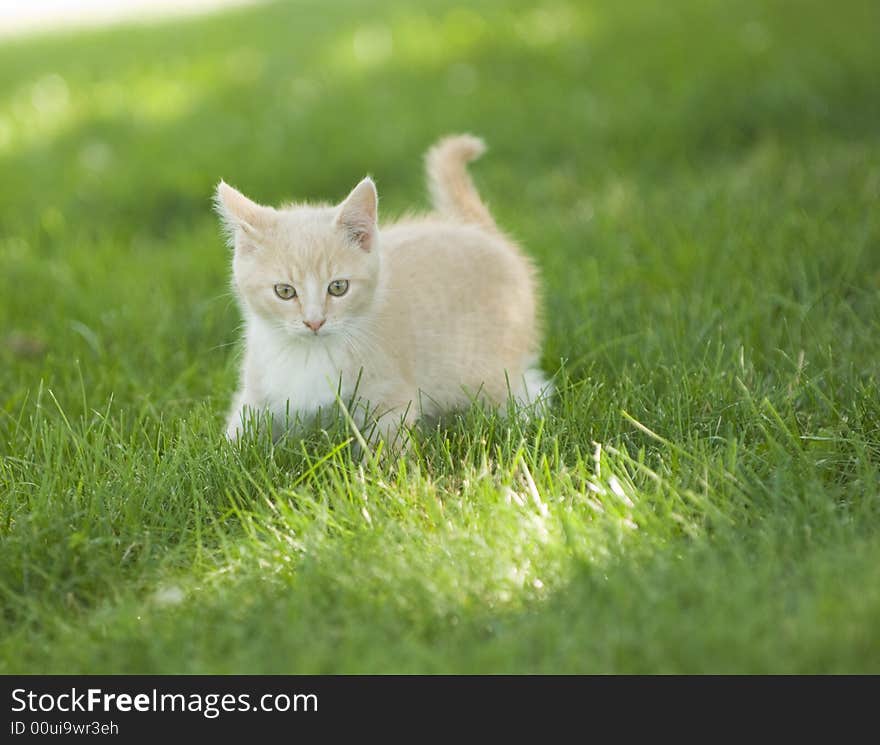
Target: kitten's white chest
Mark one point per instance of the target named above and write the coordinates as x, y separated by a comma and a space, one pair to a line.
299, 379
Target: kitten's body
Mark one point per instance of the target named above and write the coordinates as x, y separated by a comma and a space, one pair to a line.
444, 308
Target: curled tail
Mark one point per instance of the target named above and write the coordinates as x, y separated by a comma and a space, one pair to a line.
452, 191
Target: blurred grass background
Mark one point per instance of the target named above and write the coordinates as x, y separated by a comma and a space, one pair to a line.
699, 184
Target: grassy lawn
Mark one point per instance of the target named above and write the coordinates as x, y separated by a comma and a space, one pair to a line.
700, 186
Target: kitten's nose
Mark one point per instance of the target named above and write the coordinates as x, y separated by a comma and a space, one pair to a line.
315, 325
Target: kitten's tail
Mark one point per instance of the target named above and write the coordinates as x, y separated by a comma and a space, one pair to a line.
452, 191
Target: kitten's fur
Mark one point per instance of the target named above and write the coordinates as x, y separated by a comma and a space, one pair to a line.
440, 309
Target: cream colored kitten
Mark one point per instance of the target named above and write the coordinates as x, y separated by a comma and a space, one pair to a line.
420, 316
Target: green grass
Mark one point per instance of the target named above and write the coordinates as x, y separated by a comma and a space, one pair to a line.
700, 186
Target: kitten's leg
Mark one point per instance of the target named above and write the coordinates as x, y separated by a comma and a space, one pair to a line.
539, 390
532, 394
392, 426
243, 406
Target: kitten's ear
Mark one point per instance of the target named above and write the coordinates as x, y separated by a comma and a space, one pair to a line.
357, 214
238, 213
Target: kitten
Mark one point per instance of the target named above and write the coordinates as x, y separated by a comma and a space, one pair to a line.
421, 316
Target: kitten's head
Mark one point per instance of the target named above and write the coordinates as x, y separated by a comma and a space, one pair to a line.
308, 271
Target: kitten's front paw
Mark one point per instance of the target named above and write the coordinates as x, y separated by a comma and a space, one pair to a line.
393, 434
233, 430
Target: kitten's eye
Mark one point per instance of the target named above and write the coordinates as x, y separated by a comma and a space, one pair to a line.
285, 292
338, 287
